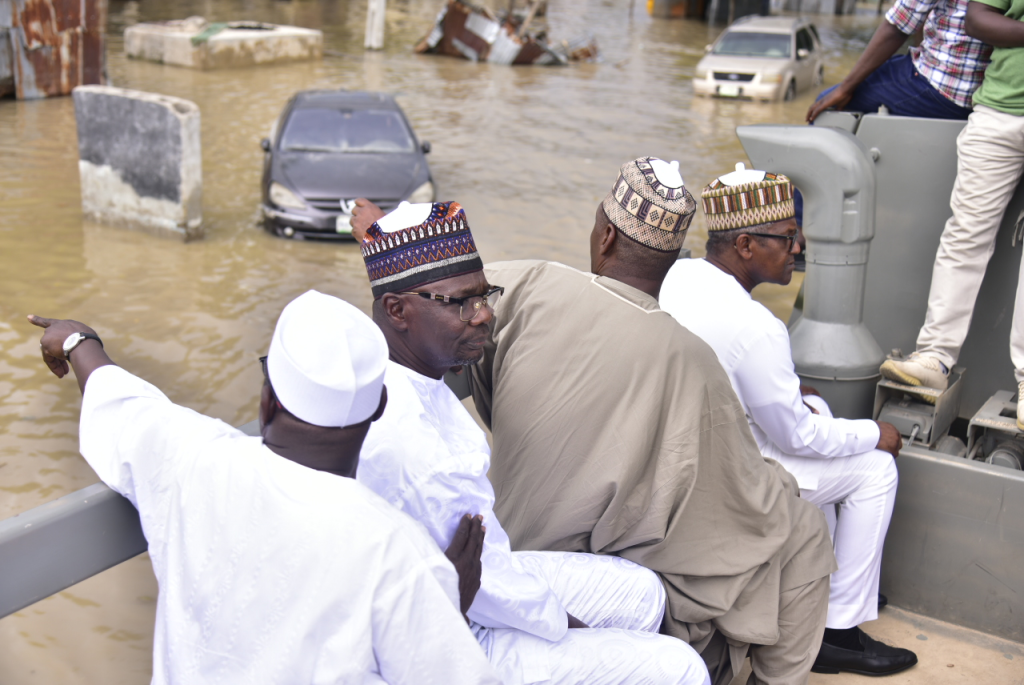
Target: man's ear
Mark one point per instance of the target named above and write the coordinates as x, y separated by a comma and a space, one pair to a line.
268, 405
606, 243
743, 246
395, 311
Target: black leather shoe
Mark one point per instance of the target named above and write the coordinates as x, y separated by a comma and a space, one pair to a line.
883, 601
876, 659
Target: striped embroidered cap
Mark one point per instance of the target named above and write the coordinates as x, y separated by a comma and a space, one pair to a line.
747, 197
418, 244
650, 204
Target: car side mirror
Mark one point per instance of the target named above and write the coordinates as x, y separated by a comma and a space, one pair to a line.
707, 49
425, 146
803, 53
265, 144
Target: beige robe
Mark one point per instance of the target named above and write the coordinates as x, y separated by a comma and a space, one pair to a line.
616, 431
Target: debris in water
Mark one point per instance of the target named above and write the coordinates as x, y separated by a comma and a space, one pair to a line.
475, 33
199, 44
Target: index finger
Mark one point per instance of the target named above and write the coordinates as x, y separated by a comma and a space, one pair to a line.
40, 321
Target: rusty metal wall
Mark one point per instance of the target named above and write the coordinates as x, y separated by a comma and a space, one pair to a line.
6, 63
6, 53
55, 44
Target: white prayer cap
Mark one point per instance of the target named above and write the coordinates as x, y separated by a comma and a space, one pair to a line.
326, 361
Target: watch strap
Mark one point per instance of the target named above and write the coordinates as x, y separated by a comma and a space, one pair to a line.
82, 338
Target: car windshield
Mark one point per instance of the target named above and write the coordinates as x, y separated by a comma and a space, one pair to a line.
748, 44
346, 130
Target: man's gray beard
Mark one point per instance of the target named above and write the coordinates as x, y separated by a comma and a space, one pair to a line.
465, 362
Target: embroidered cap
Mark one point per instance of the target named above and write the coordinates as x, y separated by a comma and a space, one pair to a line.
747, 197
418, 244
650, 204
326, 361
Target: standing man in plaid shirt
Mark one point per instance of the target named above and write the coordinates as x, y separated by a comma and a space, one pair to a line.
936, 80
990, 158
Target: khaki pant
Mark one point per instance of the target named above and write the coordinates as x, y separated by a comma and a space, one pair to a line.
990, 157
803, 607
787, 662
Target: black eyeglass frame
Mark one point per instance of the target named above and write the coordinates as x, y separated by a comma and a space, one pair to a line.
453, 299
790, 238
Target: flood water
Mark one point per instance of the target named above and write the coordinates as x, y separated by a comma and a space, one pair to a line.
528, 151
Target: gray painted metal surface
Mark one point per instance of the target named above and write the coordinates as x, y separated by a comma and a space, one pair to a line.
954, 545
915, 170
953, 549
63, 542
832, 348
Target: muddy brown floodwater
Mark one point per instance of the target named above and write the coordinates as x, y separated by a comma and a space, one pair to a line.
529, 151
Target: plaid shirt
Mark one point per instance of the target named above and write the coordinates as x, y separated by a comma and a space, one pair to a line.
953, 62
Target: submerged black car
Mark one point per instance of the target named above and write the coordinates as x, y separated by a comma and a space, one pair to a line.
330, 147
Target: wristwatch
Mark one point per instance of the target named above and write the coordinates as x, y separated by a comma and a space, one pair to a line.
76, 339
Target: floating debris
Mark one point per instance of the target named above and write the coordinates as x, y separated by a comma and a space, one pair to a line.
476, 34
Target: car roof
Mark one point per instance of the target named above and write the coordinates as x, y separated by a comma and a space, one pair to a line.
767, 24
349, 99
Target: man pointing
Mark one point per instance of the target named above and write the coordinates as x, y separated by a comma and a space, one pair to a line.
274, 564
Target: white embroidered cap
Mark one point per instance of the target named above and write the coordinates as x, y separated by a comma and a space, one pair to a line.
326, 361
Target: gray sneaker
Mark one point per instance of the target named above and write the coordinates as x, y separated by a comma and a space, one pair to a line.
917, 369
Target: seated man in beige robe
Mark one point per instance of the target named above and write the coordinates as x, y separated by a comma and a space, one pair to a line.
616, 431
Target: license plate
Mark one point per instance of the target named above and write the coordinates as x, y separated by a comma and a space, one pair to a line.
729, 91
344, 224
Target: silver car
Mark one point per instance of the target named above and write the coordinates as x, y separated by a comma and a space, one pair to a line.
762, 58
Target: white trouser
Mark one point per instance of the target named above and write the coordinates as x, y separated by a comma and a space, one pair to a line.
864, 485
623, 603
990, 156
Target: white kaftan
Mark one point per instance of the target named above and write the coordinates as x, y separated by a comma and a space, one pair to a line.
833, 460
427, 456
271, 572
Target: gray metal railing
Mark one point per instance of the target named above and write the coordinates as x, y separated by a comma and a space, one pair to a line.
63, 542
60, 543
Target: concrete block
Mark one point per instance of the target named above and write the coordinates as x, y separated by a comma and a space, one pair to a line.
197, 44
140, 160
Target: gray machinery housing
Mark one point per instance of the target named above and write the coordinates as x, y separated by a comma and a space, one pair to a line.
876, 198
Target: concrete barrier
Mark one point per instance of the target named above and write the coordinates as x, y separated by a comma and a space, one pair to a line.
140, 160
197, 44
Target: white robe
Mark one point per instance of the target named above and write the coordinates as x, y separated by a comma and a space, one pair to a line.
428, 457
271, 572
753, 347
833, 460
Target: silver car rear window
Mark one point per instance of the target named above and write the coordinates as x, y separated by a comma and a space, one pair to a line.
748, 44
341, 130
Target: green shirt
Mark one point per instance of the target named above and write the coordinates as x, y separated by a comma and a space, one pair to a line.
1003, 87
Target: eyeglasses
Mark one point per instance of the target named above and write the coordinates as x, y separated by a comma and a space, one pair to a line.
470, 306
790, 238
